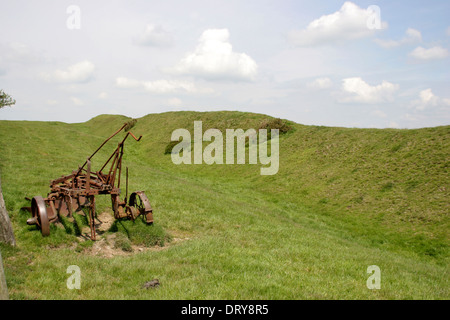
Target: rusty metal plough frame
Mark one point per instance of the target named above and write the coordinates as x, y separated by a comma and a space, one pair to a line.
73, 192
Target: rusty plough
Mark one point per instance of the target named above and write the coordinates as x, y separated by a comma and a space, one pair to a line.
73, 192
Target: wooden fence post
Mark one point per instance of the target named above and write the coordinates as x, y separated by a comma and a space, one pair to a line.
3, 287
6, 230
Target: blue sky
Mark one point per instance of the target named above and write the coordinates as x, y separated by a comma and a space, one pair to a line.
335, 63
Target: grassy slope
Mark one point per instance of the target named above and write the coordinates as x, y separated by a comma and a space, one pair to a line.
342, 200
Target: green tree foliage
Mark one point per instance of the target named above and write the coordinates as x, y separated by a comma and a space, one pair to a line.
6, 99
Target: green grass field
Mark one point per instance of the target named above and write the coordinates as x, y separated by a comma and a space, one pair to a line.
343, 200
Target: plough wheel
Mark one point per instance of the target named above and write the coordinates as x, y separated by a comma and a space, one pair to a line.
132, 212
140, 201
39, 211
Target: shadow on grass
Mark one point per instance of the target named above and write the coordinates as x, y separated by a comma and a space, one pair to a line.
141, 233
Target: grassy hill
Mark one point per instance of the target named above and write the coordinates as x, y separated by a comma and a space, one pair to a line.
342, 200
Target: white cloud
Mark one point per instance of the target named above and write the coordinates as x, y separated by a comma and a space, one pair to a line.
78, 73
378, 113
161, 86
214, 58
412, 36
127, 83
174, 102
320, 83
393, 125
436, 52
18, 52
76, 101
428, 99
155, 36
348, 23
169, 86
357, 90
103, 95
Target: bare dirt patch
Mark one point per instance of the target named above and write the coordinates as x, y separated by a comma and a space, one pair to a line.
106, 244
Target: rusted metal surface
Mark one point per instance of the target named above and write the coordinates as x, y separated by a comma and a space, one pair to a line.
73, 192
139, 201
39, 215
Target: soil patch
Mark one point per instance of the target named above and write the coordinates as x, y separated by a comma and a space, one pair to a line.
108, 245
